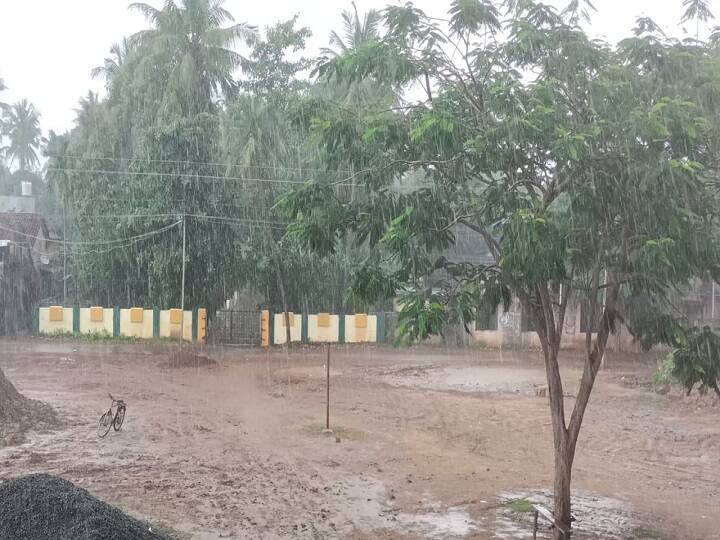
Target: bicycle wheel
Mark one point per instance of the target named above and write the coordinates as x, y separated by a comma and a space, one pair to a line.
119, 417
104, 425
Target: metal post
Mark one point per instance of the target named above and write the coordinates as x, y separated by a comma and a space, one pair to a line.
182, 292
327, 392
712, 301
604, 302
64, 277
535, 525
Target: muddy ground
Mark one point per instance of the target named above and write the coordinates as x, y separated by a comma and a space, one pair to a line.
432, 443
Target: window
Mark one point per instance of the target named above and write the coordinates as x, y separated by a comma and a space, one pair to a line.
486, 318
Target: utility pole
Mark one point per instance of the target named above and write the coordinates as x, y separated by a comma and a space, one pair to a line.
182, 292
64, 276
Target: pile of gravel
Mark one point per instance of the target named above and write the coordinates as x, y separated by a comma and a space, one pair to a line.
184, 358
41, 506
19, 414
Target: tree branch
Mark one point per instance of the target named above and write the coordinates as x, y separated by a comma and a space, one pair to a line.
491, 243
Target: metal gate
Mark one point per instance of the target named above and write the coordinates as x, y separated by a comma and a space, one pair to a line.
231, 327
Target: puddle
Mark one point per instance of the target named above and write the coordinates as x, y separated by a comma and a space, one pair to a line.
596, 517
496, 379
369, 509
451, 523
366, 506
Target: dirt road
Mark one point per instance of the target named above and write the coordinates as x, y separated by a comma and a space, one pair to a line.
432, 443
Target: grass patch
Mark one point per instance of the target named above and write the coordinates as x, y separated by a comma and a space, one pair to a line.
647, 532
103, 337
337, 431
521, 506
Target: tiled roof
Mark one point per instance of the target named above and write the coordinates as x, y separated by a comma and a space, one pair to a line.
21, 227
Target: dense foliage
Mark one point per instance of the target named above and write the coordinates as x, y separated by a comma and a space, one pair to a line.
180, 138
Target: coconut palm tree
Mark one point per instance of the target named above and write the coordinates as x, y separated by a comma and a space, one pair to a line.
697, 10
86, 109
112, 64
188, 40
22, 128
356, 31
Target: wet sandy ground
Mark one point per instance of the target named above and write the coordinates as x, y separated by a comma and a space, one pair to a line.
432, 443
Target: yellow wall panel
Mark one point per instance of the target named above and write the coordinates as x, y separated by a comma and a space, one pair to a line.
202, 325
136, 315
279, 329
64, 325
355, 334
134, 322
56, 313
141, 329
264, 328
176, 316
360, 320
291, 319
89, 326
329, 333
187, 326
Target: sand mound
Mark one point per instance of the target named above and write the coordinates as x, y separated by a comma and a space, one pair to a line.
44, 506
185, 359
19, 414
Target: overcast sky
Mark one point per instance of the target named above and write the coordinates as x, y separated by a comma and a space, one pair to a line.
48, 47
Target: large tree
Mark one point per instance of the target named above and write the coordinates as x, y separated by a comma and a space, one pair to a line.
149, 155
261, 142
357, 30
113, 64
188, 39
588, 172
21, 125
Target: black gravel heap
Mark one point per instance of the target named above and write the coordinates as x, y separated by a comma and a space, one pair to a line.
41, 506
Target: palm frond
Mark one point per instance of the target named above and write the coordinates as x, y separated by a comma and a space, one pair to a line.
151, 14
696, 10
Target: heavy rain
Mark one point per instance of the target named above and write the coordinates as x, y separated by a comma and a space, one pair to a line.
440, 269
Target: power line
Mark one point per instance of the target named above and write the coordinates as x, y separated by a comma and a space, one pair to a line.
181, 214
228, 201
239, 220
189, 162
93, 243
118, 216
175, 175
204, 177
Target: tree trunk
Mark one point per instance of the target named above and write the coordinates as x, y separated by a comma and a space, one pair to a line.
563, 473
564, 450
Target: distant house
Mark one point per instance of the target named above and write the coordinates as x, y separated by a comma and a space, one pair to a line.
24, 258
28, 230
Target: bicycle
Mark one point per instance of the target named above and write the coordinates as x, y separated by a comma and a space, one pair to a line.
109, 419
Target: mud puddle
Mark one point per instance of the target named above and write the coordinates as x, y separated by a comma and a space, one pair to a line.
596, 516
483, 379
